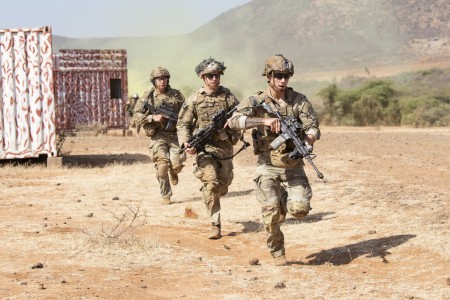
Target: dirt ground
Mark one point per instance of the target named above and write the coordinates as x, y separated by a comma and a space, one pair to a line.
379, 228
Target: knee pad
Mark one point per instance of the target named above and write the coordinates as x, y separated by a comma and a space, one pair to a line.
298, 209
176, 169
163, 169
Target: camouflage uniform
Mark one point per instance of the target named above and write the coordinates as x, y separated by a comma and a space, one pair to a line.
163, 141
281, 183
130, 109
216, 175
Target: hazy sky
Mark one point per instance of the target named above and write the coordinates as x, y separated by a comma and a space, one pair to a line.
113, 18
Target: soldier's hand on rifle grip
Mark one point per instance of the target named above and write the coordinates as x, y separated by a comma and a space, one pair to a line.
157, 118
273, 124
310, 139
188, 149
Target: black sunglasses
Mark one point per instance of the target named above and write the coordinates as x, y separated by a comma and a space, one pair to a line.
282, 75
211, 76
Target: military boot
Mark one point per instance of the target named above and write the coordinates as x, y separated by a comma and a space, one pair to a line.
280, 261
173, 178
165, 200
215, 232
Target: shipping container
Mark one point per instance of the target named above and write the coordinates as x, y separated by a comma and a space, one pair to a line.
27, 106
91, 88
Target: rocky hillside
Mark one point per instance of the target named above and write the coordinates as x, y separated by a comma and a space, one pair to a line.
318, 35
330, 34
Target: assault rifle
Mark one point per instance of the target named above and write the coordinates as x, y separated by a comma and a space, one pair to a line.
165, 110
202, 137
289, 128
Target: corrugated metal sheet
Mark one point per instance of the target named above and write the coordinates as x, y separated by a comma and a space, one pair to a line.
91, 88
27, 111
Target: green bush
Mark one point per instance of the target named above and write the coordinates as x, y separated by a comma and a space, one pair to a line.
418, 99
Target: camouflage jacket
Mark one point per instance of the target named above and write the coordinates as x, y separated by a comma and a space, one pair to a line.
173, 98
297, 106
198, 109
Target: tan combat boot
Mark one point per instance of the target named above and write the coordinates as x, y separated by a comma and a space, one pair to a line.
280, 260
215, 233
173, 178
165, 201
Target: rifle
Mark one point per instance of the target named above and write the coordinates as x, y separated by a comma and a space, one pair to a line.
289, 127
202, 137
165, 110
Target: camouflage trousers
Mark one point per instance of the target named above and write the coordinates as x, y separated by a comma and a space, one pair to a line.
216, 176
280, 191
164, 155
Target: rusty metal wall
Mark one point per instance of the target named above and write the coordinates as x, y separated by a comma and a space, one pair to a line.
83, 91
27, 106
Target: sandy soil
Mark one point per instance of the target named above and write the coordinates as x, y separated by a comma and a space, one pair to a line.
379, 228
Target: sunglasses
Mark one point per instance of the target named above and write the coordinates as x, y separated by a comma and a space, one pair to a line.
282, 75
211, 76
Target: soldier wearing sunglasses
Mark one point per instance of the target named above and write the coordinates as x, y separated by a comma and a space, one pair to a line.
281, 183
214, 165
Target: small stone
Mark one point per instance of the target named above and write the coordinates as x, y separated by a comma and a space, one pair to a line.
115, 198
37, 266
280, 285
253, 262
90, 215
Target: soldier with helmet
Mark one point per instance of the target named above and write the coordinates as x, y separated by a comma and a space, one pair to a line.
130, 109
214, 166
163, 134
281, 183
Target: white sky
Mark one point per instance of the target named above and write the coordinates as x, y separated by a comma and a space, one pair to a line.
113, 18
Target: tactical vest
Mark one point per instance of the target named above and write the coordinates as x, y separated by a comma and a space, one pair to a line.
207, 106
173, 99
263, 136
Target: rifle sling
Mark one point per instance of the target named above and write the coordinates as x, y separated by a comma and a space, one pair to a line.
243, 147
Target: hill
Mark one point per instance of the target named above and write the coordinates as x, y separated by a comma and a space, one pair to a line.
319, 36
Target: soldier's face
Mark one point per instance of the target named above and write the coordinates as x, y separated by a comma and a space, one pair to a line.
212, 80
161, 83
279, 81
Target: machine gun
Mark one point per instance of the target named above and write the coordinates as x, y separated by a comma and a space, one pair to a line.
289, 128
165, 110
202, 137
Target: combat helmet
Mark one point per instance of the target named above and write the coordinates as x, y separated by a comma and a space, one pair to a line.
159, 72
135, 96
208, 66
278, 63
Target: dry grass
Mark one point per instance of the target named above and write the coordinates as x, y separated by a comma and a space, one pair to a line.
378, 230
